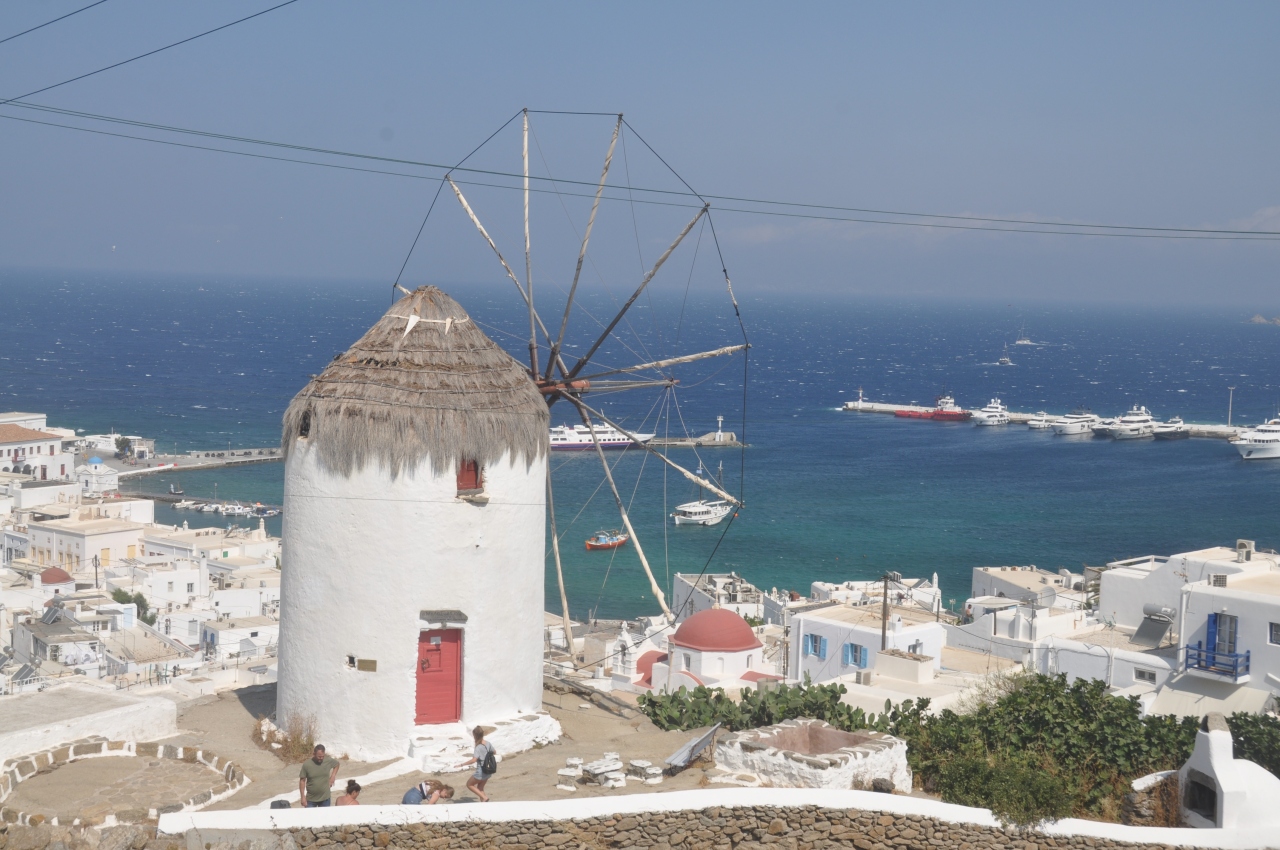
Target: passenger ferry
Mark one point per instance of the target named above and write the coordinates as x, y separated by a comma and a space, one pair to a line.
1260, 443
578, 438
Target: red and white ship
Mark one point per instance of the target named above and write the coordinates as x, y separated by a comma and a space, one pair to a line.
946, 411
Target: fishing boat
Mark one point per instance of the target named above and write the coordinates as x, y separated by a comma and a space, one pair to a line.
607, 540
1004, 358
175, 490
1078, 421
578, 437
236, 510
994, 413
1261, 442
1174, 429
1039, 422
703, 511
1023, 339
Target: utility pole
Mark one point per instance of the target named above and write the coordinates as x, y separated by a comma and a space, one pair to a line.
884, 615
1231, 397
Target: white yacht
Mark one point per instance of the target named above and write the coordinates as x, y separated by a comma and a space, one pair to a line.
1174, 429
1259, 443
1104, 427
994, 413
1078, 421
1134, 425
1039, 422
578, 437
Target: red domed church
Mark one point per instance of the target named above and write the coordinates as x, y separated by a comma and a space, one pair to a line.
715, 648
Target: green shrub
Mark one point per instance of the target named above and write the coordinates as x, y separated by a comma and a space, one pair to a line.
1040, 749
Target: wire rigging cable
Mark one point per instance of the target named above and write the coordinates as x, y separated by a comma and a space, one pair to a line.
54, 21
149, 52
1056, 228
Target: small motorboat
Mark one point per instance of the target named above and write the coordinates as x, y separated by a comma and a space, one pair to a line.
1174, 429
209, 508
1104, 428
184, 504
607, 540
1039, 422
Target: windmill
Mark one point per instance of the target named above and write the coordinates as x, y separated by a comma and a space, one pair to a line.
562, 378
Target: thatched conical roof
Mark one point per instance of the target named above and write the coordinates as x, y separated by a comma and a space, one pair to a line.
424, 381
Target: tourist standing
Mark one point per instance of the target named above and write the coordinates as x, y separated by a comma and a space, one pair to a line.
485, 756
316, 778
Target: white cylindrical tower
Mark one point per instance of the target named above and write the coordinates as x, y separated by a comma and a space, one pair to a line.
415, 497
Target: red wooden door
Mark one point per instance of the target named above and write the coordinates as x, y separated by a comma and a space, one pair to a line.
439, 676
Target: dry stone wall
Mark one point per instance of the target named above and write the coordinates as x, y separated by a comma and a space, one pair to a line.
746, 828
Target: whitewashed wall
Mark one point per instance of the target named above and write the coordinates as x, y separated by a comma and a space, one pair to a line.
364, 555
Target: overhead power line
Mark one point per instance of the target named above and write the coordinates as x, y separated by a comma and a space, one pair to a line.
148, 53
773, 208
54, 21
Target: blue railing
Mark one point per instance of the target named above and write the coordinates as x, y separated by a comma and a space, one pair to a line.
1232, 664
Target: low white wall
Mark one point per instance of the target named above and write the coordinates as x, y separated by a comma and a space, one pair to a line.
150, 719
586, 807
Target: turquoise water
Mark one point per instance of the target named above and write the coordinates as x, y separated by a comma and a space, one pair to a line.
830, 495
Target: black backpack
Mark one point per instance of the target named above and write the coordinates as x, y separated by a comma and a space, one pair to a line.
489, 764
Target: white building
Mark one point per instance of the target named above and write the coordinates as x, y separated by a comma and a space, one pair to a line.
239, 638
838, 640
1031, 585
96, 477
35, 453
714, 647
692, 593
414, 525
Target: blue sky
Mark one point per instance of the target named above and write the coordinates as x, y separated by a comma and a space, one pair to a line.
1158, 114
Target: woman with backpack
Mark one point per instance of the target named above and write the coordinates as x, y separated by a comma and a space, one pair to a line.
486, 762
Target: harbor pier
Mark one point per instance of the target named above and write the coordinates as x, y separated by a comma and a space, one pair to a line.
1195, 429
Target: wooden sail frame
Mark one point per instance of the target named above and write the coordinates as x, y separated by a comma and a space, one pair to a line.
569, 385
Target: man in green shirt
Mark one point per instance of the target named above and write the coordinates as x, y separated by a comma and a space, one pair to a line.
316, 777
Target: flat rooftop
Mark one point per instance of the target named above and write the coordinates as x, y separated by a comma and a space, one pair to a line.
1028, 578
870, 615
58, 703
1118, 638
1266, 584
240, 623
36, 485
103, 525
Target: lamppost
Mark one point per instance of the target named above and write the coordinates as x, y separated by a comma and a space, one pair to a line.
1231, 397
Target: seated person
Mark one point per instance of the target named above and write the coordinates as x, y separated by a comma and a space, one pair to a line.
352, 797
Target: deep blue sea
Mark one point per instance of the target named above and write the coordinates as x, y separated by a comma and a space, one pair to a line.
200, 364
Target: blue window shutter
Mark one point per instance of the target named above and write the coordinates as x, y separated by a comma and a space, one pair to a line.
804, 644
1211, 643
822, 648
862, 656
844, 654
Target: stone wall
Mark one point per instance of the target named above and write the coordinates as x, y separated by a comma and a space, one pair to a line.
804, 828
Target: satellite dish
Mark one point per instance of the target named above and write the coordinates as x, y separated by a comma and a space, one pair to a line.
1046, 598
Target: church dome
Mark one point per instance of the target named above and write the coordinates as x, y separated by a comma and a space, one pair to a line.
424, 381
55, 575
716, 630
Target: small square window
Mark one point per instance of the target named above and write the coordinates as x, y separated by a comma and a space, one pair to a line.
1275, 633
253, 634
1145, 675
1218, 580
688, 661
